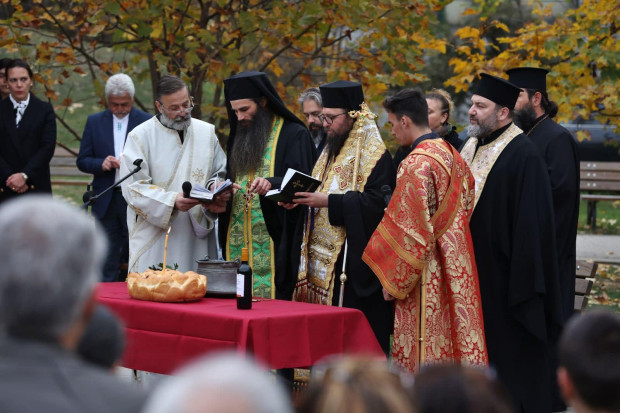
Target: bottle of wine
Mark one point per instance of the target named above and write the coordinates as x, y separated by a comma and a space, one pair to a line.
244, 282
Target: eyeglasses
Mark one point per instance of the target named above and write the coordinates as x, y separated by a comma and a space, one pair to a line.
188, 106
329, 119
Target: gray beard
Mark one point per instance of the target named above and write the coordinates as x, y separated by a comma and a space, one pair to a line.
334, 144
248, 150
525, 118
179, 123
483, 129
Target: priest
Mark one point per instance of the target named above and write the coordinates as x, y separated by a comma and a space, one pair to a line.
265, 140
422, 250
534, 114
513, 233
357, 176
174, 148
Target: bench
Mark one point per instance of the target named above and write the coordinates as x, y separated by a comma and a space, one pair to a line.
64, 170
600, 179
584, 281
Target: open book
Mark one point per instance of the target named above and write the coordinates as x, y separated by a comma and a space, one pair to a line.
293, 181
201, 193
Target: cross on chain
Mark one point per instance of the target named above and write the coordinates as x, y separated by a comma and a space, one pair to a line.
248, 196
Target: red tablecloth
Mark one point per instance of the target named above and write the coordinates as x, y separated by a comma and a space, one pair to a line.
163, 336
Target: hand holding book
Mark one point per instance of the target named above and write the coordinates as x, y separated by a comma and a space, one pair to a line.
293, 181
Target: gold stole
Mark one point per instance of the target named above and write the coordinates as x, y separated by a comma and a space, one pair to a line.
247, 225
322, 242
482, 161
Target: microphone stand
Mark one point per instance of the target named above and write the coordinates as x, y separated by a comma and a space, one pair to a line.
91, 200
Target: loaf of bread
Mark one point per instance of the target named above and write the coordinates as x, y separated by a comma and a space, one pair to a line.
169, 287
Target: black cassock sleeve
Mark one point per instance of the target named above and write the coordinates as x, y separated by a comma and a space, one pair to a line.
360, 213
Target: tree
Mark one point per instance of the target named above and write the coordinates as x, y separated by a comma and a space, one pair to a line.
580, 48
298, 42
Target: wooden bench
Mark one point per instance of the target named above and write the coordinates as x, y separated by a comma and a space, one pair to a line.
64, 171
585, 273
600, 179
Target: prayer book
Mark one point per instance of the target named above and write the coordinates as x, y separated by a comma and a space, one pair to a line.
293, 181
201, 193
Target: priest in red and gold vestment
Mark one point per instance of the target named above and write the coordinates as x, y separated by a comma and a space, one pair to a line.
422, 250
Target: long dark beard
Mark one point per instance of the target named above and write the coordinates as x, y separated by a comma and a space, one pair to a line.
250, 141
525, 118
334, 144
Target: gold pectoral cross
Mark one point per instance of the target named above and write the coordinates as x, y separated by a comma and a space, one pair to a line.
247, 216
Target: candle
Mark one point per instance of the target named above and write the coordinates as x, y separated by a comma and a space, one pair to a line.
165, 250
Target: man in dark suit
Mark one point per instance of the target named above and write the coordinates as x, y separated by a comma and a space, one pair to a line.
100, 152
27, 136
51, 258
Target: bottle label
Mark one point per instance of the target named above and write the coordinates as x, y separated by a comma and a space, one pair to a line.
240, 278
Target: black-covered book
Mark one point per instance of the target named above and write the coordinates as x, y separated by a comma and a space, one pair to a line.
293, 181
201, 193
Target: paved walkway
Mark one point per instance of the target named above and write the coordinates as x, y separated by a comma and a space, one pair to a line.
601, 248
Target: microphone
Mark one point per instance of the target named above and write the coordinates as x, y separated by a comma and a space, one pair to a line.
87, 196
387, 194
137, 162
187, 187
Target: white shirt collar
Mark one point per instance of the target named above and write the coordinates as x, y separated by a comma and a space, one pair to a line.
23, 103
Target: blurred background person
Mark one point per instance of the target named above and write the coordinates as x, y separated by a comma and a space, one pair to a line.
453, 388
4, 86
440, 106
312, 107
27, 136
220, 383
357, 384
51, 258
100, 154
103, 341
589, 372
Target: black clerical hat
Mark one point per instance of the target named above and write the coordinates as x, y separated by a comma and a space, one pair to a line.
498, 90
244, 85
342, 94
529, 78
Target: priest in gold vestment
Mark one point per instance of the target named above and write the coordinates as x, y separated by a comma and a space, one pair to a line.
357, 175
422, 250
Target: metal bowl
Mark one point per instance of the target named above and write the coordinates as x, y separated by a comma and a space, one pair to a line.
221, 277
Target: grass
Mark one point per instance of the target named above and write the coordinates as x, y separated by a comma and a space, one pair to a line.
606, 290
607, 218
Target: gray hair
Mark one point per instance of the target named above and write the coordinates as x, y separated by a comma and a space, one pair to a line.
167, 85
225, 382
51, 259
119, 85
313, 93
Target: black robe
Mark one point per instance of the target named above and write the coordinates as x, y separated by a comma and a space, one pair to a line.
513, 233
360, 213
294, 150
559, 150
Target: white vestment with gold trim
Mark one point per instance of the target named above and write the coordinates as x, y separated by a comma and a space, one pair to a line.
151, 192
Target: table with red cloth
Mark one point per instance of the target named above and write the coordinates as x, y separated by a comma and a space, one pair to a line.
281, 334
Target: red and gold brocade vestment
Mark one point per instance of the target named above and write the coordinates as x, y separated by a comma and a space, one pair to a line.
423, 254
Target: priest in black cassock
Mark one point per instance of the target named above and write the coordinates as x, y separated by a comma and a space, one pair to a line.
265, 140
357, 176
513, 232
533, 113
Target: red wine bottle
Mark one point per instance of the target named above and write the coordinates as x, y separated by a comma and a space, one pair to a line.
244, 282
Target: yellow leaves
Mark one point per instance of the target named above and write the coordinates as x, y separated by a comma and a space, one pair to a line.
583, 135
469, 12
436, 44
467, 32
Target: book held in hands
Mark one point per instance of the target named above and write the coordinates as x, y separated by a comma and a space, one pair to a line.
201, 193
293, 181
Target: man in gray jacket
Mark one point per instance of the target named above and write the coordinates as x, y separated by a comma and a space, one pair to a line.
51, 258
